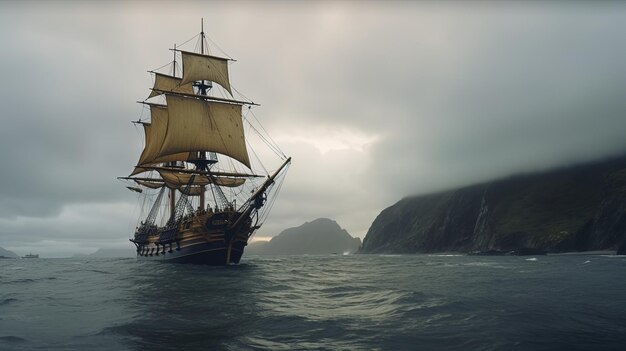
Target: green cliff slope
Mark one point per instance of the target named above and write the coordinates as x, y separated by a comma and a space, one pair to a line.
575, 209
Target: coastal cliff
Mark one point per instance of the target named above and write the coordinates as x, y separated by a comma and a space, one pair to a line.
7, 254
580, 208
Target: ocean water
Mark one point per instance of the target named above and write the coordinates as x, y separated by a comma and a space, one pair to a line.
357, 302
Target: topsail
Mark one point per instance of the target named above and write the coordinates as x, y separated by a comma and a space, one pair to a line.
200, 125
205, 67
163, 83
154, 135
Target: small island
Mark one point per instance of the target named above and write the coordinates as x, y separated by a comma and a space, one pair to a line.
318, 237
7, 254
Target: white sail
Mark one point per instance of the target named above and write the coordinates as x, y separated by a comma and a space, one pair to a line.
199, 125
164, 83
205, 67
180, 180
155, 133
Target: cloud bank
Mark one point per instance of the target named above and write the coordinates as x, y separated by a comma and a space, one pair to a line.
374, 101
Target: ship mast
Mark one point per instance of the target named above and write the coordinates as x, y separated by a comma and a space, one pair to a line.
171, 164
203, 91
201, 162
203, 87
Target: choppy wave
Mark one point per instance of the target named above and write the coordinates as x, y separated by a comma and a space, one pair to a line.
352, 302
7, 301
12, 339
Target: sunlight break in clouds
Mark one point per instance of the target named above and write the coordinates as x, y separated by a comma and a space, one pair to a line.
326, 139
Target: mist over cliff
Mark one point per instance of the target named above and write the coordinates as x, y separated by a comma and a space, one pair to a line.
7, 254
579, 208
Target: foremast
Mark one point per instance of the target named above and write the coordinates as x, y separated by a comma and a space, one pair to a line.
257, 200
172, 191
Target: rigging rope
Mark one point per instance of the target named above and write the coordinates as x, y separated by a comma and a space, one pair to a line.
257, 158
217, 46
190, 39
279, 185
240, 93
268, 134
275, 149
153, 211
167, 64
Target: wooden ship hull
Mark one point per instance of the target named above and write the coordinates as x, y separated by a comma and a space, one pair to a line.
205, 238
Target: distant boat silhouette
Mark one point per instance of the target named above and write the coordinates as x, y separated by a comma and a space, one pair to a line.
30, 255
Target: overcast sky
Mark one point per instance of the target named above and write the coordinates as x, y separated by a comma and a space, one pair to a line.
373, 100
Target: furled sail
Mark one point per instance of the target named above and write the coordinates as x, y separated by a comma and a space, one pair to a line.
148, 138
155, 133
132, 188
163, 82
191, 191
188, 171
179, 180
175, 180
200, 125
229, 182
138, 170
205, 67
147, 184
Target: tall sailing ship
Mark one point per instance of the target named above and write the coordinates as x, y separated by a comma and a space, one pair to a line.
203, 195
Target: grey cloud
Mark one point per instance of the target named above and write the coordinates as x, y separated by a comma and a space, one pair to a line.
454, 93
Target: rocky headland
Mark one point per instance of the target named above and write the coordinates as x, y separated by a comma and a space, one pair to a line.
579, 208
320, 236
4, 253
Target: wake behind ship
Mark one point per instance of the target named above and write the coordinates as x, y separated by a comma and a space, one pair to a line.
202, 198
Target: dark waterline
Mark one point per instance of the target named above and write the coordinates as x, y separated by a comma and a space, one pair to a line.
359, 302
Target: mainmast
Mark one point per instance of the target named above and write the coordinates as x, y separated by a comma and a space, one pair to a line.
204, 88
203, 91
201, 162
171, 164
